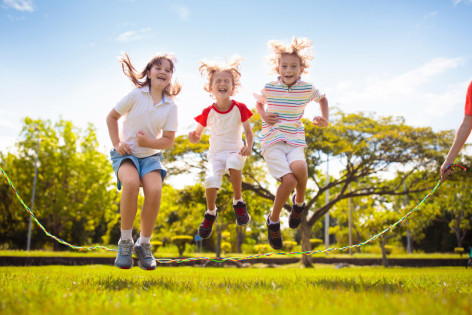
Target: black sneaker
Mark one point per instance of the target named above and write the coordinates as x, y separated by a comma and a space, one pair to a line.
204, 231
242, 217
275, 237
295, 216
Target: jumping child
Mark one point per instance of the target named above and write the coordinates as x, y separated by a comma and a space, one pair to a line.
227, 152
149, 126
283, 134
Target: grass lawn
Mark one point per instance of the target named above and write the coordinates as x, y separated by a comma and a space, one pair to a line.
186, 290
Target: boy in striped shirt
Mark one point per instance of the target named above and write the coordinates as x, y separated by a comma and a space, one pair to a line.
283, 134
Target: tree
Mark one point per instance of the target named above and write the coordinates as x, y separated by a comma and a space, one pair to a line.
366, 147
73, 195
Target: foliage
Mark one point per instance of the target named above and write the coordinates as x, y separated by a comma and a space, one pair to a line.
73, 197
181, 241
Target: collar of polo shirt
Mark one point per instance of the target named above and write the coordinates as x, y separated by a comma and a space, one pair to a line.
165, 100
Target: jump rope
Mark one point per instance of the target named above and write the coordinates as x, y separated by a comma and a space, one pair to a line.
234, 259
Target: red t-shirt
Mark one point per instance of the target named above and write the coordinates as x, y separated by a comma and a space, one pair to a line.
468, 100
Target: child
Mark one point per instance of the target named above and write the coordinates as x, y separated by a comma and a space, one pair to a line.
283, 134
227, 151
149, 126
461, 135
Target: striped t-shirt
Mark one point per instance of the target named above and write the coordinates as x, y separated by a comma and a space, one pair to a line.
289, 103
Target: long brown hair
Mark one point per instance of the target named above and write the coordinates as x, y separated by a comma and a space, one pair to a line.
135, 77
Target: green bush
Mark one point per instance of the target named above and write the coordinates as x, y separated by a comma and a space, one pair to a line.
181, 241
459, 250
225, 247
262, 248
289, 245
314, 242
156, 245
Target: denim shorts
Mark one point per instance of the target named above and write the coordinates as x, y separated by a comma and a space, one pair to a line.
143, 165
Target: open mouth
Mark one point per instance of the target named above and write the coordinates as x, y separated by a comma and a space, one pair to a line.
222, 90
161, 78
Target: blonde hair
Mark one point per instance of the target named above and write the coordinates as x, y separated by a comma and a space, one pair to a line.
298, 47
134, 76
209, 68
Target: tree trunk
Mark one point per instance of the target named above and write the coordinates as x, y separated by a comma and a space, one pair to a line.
240, 237
305, 232
457, 229
218, 239
383, 242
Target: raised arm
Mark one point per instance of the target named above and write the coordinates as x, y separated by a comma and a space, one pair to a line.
461, 137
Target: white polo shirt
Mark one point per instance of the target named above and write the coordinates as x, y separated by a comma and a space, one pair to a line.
141, 114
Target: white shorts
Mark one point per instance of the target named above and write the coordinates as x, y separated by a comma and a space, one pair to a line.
280, 155
219, 164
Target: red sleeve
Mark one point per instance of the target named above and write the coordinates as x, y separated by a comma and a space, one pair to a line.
468, 101
245, 112
202, 118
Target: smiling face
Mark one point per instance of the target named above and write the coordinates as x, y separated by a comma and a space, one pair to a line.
289, 68
160, 74
222, 84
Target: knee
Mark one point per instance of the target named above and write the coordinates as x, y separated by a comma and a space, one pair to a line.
154, 191
300, 170
213, 182
131, 185
290, 180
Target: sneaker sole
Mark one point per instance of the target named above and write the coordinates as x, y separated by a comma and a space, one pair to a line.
248, 221
205, 238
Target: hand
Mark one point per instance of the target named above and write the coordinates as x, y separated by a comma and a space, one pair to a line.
193, 137
245, 151
122, 148
445, 170
143, 139
270, 118
320, 121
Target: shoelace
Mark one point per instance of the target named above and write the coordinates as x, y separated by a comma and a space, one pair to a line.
207, 223
240, 211
125, 249
296, 215
275, 234
147, 251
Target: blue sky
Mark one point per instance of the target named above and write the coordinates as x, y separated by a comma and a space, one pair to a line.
58, 58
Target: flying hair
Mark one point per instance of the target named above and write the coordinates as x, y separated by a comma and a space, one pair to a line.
136, 77
301, 47
209, 68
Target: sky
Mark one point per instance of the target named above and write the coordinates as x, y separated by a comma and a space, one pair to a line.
58, 58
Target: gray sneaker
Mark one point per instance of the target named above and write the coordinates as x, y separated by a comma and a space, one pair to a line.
124, 259
144, 254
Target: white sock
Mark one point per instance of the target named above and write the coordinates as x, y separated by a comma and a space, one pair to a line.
127, 234
212, 212
235, 202
300, 204
144, 239
273, 222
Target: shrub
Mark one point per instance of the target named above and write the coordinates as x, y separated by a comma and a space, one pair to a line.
314, 242
262, 248
459, 250
289, 245
180, 241
156, 245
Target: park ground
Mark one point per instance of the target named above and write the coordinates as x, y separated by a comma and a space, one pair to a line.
290, 289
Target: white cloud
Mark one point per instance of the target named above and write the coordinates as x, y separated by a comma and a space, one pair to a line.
430, 15
133, 35
456, 2
420, 95
20, 5
182, 11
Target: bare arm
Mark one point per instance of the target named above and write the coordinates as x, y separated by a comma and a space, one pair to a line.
166, 141
461, 137
269, 118
112, 123
323, 120
247, 149
194, 136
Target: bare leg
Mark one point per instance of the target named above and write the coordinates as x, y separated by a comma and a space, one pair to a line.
211, 198
129, 178
300, 171
288, 184
152, 187
236, 178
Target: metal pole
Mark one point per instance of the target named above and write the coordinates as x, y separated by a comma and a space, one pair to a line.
350, 221
327, 200
28, 243
408, 238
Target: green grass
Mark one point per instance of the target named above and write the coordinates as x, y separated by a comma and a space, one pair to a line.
186, 290
162, 253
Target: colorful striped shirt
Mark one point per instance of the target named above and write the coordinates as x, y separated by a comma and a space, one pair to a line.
289, 103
